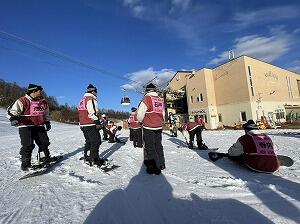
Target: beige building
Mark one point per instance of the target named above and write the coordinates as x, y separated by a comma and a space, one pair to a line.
241, 89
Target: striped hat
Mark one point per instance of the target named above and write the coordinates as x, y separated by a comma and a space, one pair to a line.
33, 87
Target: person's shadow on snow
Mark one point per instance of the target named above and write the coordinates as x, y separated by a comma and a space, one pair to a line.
149, 199
113, 148
266, 187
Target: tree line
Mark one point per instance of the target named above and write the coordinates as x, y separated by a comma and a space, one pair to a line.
10, 92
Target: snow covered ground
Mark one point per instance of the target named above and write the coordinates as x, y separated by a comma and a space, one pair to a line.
191, 190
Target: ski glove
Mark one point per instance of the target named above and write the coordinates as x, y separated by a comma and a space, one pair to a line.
48, 126
98, 125
14, 123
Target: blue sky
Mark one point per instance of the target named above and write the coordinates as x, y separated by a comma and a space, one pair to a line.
129, 42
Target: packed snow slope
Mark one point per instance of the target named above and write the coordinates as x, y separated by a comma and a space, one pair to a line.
191, 190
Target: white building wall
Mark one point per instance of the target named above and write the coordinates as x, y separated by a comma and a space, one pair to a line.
231, 113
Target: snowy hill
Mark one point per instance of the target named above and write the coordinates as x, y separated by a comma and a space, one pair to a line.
191, 190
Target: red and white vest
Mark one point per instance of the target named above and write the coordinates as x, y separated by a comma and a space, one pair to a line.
190, 126
133, 122
34, 112
84, 119
259, 153
154, 114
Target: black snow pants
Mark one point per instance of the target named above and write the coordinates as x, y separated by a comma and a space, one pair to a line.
28, 136
92, 141
137, 137
153, 148
198, 132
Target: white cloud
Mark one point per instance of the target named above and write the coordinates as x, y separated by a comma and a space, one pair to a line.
213, 49
179, 17
267, 48
140, 78
266, 15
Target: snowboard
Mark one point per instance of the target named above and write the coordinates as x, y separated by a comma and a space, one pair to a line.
109, 168
107, 165
208, 149
40, 169
284, 160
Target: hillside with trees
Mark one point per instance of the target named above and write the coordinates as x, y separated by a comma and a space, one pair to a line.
10, 92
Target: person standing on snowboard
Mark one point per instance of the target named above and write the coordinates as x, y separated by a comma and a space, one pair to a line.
255, 150
90, 125
135, 128
30, 114
151, 113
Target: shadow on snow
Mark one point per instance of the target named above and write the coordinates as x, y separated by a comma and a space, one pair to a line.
149, 199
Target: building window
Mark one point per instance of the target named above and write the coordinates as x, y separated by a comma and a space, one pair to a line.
250, 80
192, 99
178, 78
298, 84
201, 97
198, 100
220, 117
243, 116
279, 114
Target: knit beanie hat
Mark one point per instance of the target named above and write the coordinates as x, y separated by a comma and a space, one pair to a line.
91, 88
33, 87
151, 87
250, 125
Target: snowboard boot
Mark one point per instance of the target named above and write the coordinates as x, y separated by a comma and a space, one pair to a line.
191, 145
26, 164
86, 158
97, 162
202, 147
162, 167
151, 167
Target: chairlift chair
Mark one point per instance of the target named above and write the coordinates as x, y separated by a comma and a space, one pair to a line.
125, 101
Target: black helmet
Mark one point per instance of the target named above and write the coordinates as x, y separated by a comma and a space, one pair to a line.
151, 87
250, 125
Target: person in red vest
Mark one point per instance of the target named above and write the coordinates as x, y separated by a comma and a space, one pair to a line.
255, 150
151, 113
189, 130
30, 114
136, 129
90, 125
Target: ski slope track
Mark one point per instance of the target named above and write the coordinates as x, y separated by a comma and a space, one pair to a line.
192, 189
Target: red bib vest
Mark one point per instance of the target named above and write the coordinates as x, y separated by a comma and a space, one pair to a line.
154, 115
83, 112
190, 126
259, 153
134, 124
34, 112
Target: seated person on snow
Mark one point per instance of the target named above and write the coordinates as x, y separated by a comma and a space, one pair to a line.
189, 130
111, 130
255, 150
